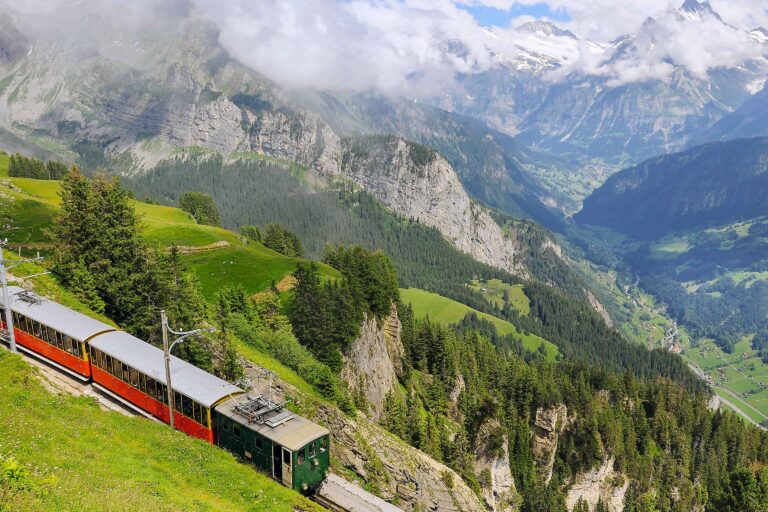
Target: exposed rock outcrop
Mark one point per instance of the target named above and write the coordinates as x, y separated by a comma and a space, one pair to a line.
600, 308
599, 484
492, 467
394, 470
419, 183
374, 361
547, 427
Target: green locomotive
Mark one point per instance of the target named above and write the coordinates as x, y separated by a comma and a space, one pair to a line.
292, 449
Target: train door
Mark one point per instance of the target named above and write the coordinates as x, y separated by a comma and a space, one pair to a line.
287, 467
277, 464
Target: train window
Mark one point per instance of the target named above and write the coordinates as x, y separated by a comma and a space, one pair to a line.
299, 457
134, 374
16, 321
312, 449
204, 412
77, 349
323, 443
187, 407
236, 430
286, 457
24, 322
37, 330
198, 417
226, 426
67, 343
162, 392
259, 443
143, 383
177, 401
151, 387
53, 337
124, 372
42, 333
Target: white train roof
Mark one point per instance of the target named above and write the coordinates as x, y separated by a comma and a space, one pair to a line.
67, 321
197, 384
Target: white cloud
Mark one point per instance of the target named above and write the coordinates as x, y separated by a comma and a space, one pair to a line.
399, 46
668, 42
393, 46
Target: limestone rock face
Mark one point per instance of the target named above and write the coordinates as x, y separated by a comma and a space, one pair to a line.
548, 426
374, 361
492, 468
420, 184
599, 484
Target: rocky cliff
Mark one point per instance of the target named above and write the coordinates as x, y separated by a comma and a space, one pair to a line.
547, 427
601, 484
419, 183
493, 469
374, 362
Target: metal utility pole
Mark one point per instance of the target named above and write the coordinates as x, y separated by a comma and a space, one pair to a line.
4, 267
182, 335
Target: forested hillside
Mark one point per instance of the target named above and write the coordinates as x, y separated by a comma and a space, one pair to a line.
260, 191
713, 184
467, 395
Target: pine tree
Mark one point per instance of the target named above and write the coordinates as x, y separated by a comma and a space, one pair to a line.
83, 286
201, 207
309, 315
581, 506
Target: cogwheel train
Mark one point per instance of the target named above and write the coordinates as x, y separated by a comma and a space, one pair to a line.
292, 449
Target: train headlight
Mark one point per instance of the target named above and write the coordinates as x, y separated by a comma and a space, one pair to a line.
304, 486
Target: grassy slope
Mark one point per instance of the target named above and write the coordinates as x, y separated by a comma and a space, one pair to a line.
248, 264
494, 292
106, 461
447, 311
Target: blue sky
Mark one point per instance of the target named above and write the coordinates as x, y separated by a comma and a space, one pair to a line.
489, 16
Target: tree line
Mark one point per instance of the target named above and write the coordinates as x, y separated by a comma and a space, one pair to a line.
275, 237
20, 166
326, 317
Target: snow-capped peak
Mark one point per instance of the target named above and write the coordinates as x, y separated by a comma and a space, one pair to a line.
544, 28
696, 11
543, 46
759, 34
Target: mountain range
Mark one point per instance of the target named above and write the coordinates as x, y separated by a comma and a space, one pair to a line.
596, 121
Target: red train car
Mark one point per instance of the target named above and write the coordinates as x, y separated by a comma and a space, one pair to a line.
135, 370
57, 333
